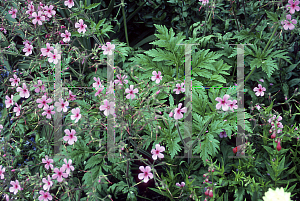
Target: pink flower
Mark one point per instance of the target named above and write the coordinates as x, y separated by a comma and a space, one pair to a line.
289, 23
54, 57
97, 84
48, 183
232, 105
108, 49
6, 197
13, 12
66, 36
2, 29
48, 162
258, 107
110, 89
204, 2
293, 6
17, 109
223, 102
69, 3
108, 107
59, 174
46, 51
9, 101
43, 101
40, 86
76, 114
24, 93
45, 196
156, 152
120, 80
70, 137
178, 111
81, 26
171, 114
71, 96
99, 91
48, 11
68, 166
28, 49
180, 88
157, 76
131, 92
61, 105
182, 184
1, 127
261, 80
48, 111
1, 172
260, 90
15, 187
38, 18
146, 173
14, 81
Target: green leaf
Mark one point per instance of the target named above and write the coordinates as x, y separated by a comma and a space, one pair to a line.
272, 16
94, 5
293, 82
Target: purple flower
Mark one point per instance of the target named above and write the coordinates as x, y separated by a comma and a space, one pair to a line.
223, 134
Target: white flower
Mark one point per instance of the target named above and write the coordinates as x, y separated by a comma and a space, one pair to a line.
277, 195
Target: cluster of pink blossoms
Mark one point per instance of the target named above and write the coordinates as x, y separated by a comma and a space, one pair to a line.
274, 121
289, 22
225, 103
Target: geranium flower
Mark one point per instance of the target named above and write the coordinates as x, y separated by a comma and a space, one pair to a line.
108, 49
181, 186
70, 136
13, 12
178, 111
108, 107
61, 105
97, 84
204, 2
45, 196
43, 101
68, 166
59, 174
289, 23
71, 96
223, 102
69, 3
131, 92
48, 111
66, 36
9, 101
156, 152
28, 49
15, 187
146, 173
277, 194
54, 57
1, 127
293, 6
232, 105
81, 26
260, 90
76, 115
38, 18
17, 109
156, 76
48, 183
24, 93
180, 88
48, 162
46, 51
2, 171
48, 11
14, 81
111, 88
223, 134
121, 80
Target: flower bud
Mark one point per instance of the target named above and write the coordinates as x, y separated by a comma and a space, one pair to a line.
278, 146
273, 135
171, 114
211, 193
206, 192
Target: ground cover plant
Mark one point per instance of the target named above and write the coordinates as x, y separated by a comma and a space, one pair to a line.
172, 108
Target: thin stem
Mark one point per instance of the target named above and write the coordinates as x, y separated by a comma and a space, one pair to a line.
125, 25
